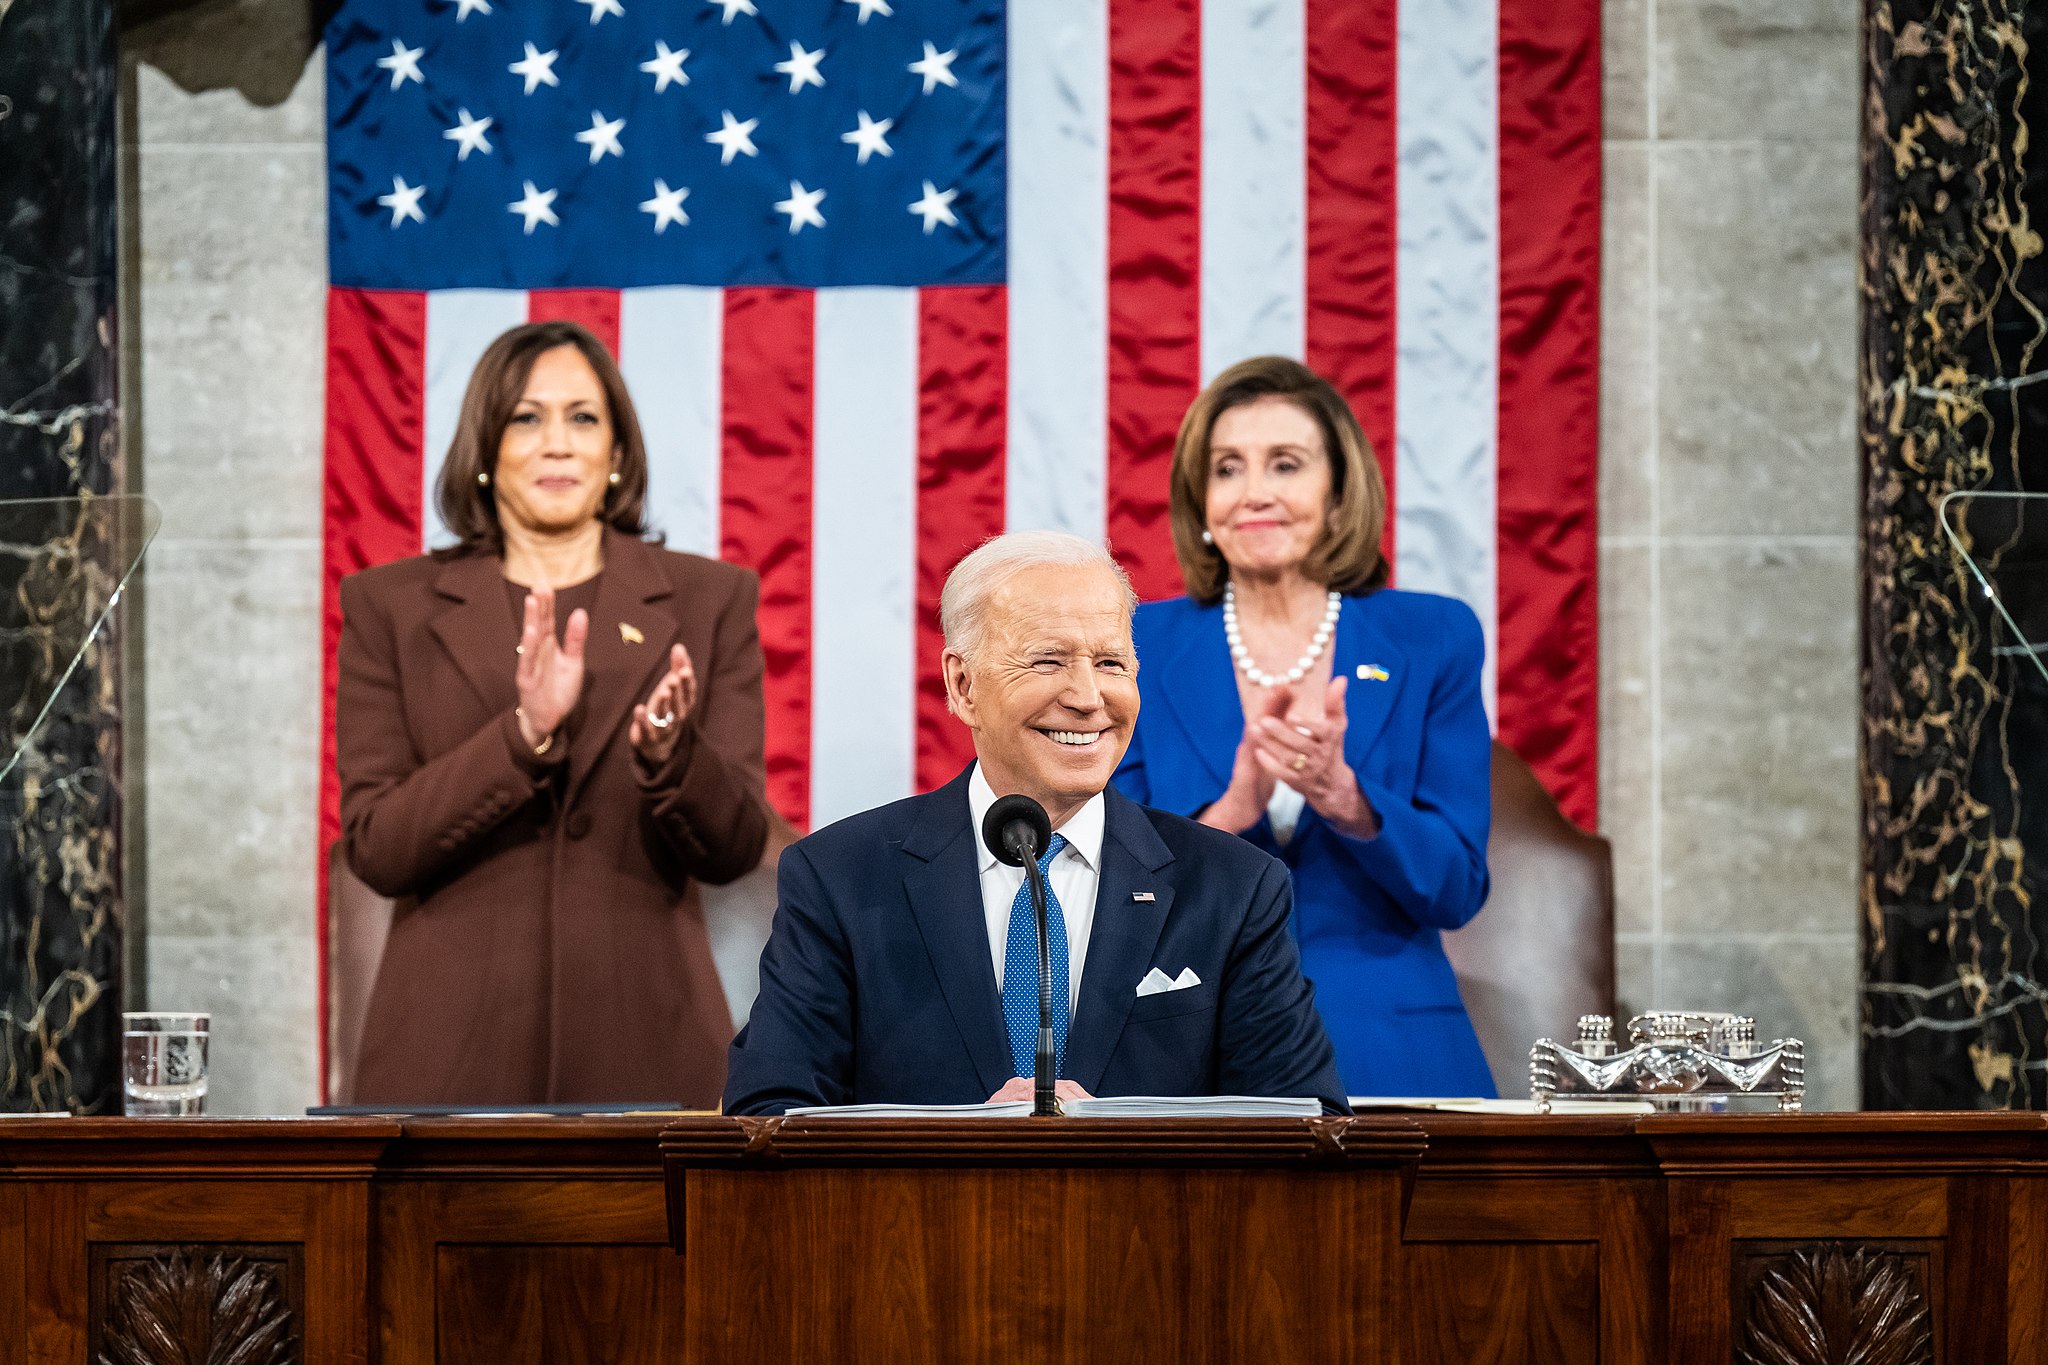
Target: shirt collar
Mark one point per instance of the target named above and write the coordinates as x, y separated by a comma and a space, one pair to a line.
1083, 832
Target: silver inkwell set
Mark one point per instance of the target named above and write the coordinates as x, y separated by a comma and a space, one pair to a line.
1678, 1060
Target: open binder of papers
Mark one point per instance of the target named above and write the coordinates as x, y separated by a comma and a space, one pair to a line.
1192, 1106
1109, 1107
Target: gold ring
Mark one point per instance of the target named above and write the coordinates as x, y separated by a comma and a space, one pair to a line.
1300, 762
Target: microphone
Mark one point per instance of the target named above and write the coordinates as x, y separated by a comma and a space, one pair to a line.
1018, 831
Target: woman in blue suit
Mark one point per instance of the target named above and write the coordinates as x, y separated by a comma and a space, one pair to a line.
1294, 699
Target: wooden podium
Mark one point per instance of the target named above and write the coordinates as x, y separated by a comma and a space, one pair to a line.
1006, 1240
1912, 1239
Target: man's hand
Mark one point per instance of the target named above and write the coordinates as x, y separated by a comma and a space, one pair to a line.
1025, 1088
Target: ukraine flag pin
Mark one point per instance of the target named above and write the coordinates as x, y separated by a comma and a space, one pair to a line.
1372, 673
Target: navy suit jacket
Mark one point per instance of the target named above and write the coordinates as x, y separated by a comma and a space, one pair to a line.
877, 984
1368, 912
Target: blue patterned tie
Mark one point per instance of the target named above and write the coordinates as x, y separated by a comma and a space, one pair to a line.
1020, 972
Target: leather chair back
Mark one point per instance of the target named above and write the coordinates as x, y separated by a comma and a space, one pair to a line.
358, 923
1542, 951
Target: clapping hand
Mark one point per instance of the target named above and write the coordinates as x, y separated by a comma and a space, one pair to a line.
657, 721
1244, 801
549, 676
1307, 753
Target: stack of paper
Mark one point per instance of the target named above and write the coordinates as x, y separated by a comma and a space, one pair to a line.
1478, 1106
986, 1110
1191, 1106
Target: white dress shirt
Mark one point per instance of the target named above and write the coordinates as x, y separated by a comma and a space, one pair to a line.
1072, 878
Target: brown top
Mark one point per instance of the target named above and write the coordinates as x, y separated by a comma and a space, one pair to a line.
548, 944
576, 597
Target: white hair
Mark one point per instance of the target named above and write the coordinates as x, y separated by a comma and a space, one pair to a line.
963, 603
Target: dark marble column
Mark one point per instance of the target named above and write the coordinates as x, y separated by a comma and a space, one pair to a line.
60, 855
1955, 772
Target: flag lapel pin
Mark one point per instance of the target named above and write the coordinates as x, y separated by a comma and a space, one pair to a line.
1142, 897
1372, 673
631, 634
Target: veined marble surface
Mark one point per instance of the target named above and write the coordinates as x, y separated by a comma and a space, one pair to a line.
1955, 336
61, 908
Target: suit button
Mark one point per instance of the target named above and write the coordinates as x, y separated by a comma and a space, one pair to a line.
578, 825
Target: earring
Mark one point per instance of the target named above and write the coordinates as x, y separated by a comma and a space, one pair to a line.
615, 477
1208, 539
483, 476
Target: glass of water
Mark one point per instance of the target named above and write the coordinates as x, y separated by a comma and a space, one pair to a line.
163, 1063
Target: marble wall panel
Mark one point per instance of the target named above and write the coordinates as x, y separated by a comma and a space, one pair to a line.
63, 883
169, 113
234, 739
261, 1056
231, 262
1956, 757
1628, 367
1758, 738
1635, 973
1625, 69
1797, 986
222, 463
1628, 731
1756, 345
1756, 70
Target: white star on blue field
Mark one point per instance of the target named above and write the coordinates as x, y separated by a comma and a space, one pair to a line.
531, 144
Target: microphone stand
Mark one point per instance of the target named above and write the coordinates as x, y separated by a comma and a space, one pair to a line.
1042, 1101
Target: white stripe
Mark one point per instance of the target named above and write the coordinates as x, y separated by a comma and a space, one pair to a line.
1059, 265
1254, 181
1447, 309
863, 551
668, 350
461, 325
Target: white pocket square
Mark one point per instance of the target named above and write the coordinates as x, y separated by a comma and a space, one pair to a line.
1157, 982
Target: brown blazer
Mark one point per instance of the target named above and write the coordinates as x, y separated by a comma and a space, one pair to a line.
548, 943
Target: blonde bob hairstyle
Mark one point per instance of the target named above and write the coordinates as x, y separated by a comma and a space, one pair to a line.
469, 507
1347, 555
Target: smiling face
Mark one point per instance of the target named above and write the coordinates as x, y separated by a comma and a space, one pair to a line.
558, 450
1270, 486
1053, 694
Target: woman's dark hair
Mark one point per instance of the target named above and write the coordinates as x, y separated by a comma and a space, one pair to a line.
1346, 556
469, 508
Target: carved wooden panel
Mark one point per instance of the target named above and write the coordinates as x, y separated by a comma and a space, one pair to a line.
1834, 1303
198, 1304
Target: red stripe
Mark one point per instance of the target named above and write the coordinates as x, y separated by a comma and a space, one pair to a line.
1549, 476
1350, 270
597, 309
962, 369
765, 511
376, 423
1155, 163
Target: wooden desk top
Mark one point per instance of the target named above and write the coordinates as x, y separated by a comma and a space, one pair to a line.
838, 1141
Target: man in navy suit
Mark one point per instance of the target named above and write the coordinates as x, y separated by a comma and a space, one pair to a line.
902, 967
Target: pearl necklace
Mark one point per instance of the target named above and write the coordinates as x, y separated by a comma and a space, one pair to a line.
1245, 663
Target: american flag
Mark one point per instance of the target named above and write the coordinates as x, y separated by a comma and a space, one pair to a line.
890, 276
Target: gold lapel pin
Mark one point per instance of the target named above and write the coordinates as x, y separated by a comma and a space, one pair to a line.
631, 634
1373, 673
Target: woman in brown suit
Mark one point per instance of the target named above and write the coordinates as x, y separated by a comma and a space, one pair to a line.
545, 735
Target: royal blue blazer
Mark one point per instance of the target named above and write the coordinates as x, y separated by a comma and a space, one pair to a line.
1368, 913
877, 984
